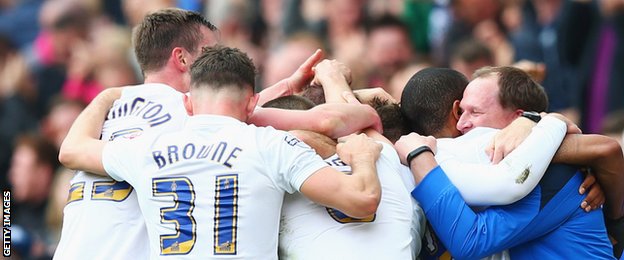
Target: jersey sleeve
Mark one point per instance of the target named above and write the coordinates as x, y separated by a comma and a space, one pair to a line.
466, 233
292, 159
117, 159
516, 175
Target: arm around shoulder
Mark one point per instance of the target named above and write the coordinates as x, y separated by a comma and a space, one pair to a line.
333, 120
82, 149
357, 195
604, 155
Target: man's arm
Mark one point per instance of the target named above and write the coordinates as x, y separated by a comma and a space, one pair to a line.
323, 145
508, 138
510, 180
484, 184
334, 77
465, 233
604, 156
358, 194
82, 148
511, 136
333, 120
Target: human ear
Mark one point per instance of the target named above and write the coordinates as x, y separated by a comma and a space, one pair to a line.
251, 105
188, 105
456, 110
179, 58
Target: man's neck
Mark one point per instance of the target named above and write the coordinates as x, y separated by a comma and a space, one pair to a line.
163, 78
222, 105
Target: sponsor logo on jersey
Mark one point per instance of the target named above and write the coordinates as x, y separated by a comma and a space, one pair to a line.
130, 133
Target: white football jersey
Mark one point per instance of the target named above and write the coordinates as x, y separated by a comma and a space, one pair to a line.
102, 219
311, 231
215, 189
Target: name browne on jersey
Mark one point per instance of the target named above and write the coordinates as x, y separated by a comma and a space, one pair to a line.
139, 107
220, 153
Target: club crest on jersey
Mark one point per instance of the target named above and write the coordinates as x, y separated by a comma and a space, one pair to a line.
226, 246
175, 247
130, 133
108, 193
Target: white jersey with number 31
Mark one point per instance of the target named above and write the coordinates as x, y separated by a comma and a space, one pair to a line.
215, 189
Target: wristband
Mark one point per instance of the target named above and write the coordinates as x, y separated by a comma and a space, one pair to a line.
417, 152
532, 115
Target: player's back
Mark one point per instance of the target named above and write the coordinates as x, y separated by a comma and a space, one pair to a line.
215, 189
102, 219
312, 231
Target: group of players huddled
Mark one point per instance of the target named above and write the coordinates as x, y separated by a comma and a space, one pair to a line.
194, 164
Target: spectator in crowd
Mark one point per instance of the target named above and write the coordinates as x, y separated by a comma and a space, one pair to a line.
470, 55
54, 127
592, 34
98, 63
64, 25
61, 115
17, 99
389, 50
536, 39
32, 170
287, 56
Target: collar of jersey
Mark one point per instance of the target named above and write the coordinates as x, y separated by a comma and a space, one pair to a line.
199, 121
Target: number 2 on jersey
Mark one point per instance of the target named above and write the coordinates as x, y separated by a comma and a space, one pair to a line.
116, 191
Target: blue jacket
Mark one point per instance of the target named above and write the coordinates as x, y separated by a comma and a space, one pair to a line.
543, 225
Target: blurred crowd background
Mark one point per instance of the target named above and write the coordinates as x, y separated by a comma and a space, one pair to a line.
56, 55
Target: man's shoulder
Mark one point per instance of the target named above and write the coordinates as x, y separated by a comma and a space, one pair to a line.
151, 91
478, 133
144, 106
469, 147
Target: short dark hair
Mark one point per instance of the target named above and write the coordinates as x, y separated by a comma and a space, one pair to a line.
221, 66
291, 102
161, 31
428, 97
316, 94
517, 90
392, 119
